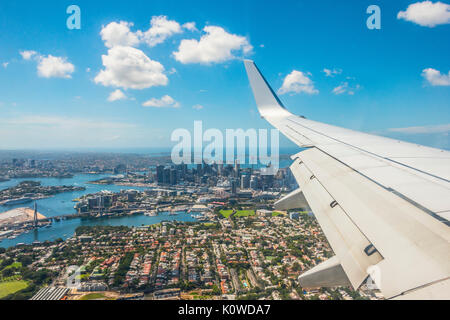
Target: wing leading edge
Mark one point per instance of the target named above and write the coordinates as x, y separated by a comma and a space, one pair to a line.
383, 204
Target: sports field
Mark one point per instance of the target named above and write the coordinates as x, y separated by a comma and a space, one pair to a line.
226, 213
9, 287
245, 213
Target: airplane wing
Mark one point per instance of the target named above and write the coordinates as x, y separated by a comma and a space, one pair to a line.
383, 204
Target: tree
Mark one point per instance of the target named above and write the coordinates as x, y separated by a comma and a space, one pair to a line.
216, 291
8, 272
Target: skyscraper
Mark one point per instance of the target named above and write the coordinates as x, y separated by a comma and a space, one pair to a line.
245, 181
160, 174
237, 168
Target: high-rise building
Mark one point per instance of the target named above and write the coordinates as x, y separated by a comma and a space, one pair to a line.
254, 182
199, 169
233, 184
166, 175
173, 177
160, 174
237, 168
267, 181
245, 181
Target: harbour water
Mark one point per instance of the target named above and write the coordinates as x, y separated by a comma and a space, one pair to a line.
63, 204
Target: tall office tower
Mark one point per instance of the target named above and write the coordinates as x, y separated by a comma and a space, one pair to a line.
254, 182
237, 168
166, 176
173, 177
220, 169
245, 181
199, 170
267, 181
183, 169
160, 174
206, 168
233, 183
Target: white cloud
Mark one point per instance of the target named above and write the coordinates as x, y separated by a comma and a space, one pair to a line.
443, 128
129, 67
119, 34
50, 66
5, 64
198, 107
54, 67
190, 26
435, 78
297, 82
164, 102
332, 73
426, 13
341, 88
345, 88
215, 46
116, 95
27, 54
64, 122
161, 29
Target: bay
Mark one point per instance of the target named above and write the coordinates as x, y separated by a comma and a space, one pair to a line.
62, 204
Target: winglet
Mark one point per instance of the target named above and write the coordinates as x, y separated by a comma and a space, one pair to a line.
266, 99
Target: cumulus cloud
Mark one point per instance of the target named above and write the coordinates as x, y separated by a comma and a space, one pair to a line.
160, 29
50, 66
5, 64
443, 128
215, 46
344, 87
197, 107
164, 102
128, 67
332, 72
117, 95
54, 67
27, 54
435, 78
119, 34
426, 13
297, 82
190, 26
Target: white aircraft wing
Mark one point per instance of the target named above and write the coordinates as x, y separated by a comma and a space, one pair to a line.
383, 204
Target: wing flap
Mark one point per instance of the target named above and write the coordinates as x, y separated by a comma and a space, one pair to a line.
327, 274
343, 235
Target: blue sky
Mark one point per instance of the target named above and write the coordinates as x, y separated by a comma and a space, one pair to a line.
57, 96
